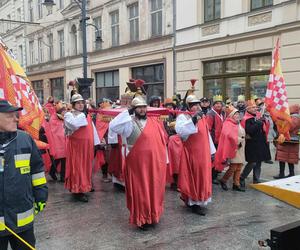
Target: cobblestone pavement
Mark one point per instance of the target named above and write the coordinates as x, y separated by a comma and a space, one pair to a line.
234, 220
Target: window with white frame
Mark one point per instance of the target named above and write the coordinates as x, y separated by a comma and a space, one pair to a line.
212, 10
256, 4
98, 24
61, 43
107, 85
18, 14
40, 50
20, 55
154, 77
40, 9
114, 28
57, 88
31, 52
38, 89
134, 22
8, 23
50, 46
74, 40
156, 17
61, 4
30, 10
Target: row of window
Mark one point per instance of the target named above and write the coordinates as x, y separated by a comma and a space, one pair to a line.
133, 17
212, 8
230, 78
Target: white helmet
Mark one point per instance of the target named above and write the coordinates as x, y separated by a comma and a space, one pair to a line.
76, 98
138, 101
192, 99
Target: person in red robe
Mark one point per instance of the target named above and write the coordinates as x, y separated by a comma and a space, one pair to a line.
145, 162
81, 139
215, 118
195, 181
231, 149
58, 142
50, 106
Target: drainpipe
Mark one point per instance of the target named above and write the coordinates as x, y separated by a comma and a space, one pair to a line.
174, 48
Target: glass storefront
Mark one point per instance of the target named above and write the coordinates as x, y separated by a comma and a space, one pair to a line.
237, 76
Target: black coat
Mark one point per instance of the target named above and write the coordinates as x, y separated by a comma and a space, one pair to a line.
256, 149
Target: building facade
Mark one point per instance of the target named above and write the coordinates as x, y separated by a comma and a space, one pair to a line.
228, 45
136, 42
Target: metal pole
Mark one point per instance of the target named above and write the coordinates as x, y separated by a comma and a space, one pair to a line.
84, 49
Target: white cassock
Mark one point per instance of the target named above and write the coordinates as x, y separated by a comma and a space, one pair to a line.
184, 128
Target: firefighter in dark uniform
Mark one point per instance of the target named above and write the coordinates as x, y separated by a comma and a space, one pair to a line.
23, 190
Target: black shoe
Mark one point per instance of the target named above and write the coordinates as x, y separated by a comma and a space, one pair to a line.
237, 188
256, 181
279, 177
81, 197
290, 175
242, 183
145, 227
53, 175
269, 162
119, 187
198, 210
215, 181
224, 186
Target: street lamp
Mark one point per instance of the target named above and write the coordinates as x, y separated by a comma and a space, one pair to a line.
85, 82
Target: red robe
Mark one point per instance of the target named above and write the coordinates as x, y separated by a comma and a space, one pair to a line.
50, 107
175, 147
215, 123
145, 175
116, 164
228, 143
58, 141
101, 128
195, 180
80, 154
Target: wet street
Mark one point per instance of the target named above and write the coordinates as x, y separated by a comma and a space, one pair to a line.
234, 220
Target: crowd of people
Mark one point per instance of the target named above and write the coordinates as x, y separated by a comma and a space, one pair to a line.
141, 153
186, 144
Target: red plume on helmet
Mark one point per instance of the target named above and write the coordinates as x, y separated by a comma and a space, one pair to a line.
139, 83
72, 83
193, 81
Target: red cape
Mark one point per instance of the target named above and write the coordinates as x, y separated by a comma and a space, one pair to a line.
175, 147
101, 128
80, 154
195, 180
145, 175
58, 141
228, 143
116, 164
50, 107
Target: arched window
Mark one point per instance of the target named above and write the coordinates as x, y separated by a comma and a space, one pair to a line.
74, 40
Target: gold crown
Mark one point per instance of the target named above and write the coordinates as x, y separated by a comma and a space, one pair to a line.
218, 98
254, 97
241, 98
